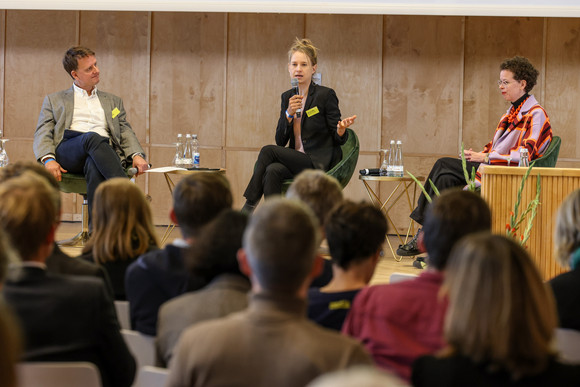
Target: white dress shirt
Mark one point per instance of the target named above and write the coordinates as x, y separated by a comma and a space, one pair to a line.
88, 114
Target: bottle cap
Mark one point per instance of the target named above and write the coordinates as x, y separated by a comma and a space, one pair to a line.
399, 142
392, 141
195, 136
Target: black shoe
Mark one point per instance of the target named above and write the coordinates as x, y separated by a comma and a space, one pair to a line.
419, 263
410, 248
248, 208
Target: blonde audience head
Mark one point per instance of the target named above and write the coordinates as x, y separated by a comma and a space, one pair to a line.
501, 313
567, 233
319, 191
122, 222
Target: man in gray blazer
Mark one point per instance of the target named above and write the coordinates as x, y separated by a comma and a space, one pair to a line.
84, 130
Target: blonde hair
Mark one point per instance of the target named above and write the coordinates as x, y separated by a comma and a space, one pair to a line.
500, 312
306, 47
567, 232
10, 352
122, 222
27, 212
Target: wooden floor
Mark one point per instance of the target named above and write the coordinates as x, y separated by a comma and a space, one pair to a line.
385, 268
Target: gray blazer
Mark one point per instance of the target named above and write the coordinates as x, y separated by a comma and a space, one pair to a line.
56, 116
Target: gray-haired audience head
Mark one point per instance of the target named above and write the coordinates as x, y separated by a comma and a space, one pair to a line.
280, 244
199, 198
361, 376
318, 191
450, 217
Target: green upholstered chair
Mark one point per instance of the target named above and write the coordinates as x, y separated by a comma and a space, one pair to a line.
345, 168
76, 183
550, 157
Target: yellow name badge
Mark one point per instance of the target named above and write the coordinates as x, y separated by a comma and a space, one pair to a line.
116, 112
312, 111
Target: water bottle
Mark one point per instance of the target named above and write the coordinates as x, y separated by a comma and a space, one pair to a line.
187, 155
385, 163
391, 162
524, 161
178, 159
195, 151
398, 163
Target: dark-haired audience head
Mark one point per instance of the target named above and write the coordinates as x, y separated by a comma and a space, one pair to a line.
355, 232
199, 198
318, 191
20, 167
280, 245
215, 251
500, 311
70, 61
28, 215
523, 70
450, 217
567, 233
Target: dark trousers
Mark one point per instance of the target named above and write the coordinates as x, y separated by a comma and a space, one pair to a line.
91, 155
446, 173
274, 165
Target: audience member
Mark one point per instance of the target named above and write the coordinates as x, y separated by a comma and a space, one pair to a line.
214, 260
500, 322
10, 350
402, 321
271, 343
161, 275
321, 193
63, 318
122, 230
566, 286
355, 234
58, 262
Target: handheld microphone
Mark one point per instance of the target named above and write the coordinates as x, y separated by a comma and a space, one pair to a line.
294, 83
132, 171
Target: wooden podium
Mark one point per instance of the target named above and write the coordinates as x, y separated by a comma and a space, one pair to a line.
499, 187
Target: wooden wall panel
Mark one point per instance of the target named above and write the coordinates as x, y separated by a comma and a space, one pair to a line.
35, 45
488, 41
2, 60
120, 41
563, 83
257, 74
188, 60
350, 62
422, 66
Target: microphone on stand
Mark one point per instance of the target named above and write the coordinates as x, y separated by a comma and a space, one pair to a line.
294, 83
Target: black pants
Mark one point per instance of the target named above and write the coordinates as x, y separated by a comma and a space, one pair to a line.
274, 165
446, 173
91, 155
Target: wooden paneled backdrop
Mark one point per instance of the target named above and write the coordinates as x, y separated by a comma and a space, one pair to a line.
429, 81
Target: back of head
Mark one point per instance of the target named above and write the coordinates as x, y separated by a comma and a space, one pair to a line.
451, 216
500, 311
70, 61
355, 231
318, 191
280, 243
215, 252
20, 167
199, 198
27, 213
7, 255
567, 232
122, 222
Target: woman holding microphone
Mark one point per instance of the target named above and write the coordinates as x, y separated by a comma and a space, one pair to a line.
309, 124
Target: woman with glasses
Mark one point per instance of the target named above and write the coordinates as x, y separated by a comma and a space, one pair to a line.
524, 125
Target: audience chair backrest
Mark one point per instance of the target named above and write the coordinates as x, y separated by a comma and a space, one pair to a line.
123, 314
568, 344
71, 374
399, 277
149, 376
141, 346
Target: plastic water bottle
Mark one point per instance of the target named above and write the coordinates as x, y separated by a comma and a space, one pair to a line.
187, 155
398, 163
195, 151
178, 159
391, 162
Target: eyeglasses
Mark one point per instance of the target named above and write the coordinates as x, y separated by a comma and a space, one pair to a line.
504, 83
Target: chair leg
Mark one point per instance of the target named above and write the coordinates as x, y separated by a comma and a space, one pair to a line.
82, 237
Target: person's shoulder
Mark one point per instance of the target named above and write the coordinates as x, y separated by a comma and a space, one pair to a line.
565, 280
59, 94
